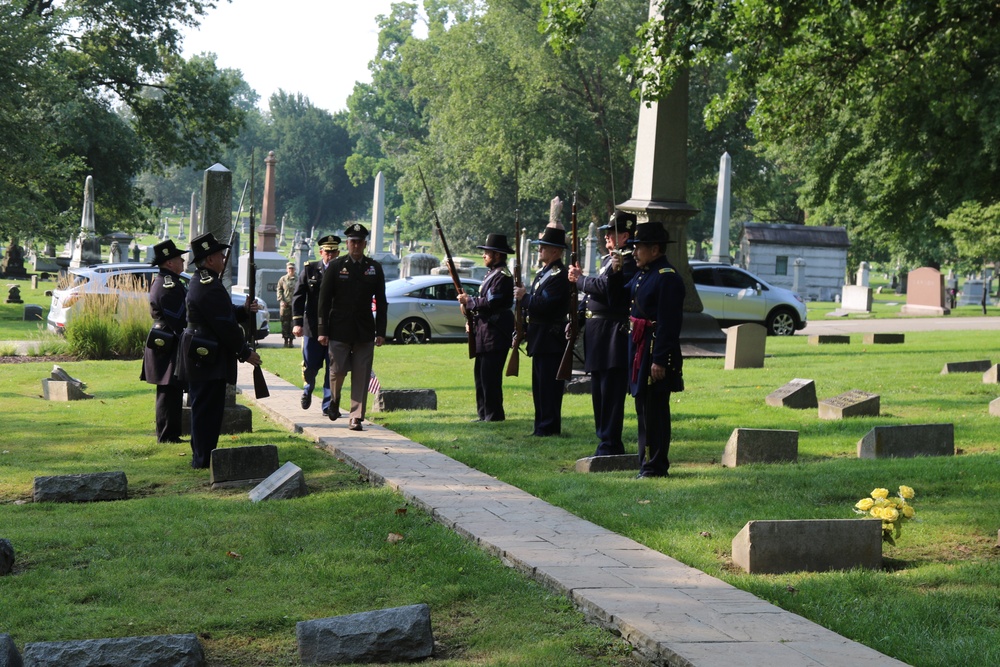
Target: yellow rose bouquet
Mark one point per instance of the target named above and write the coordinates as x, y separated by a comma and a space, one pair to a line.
892, 511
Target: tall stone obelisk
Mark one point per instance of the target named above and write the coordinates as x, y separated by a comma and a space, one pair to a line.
87, 247
217, 207
267, 231
378, 216
720, 237
269, 263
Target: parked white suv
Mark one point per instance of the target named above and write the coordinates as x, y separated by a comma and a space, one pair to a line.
734, 296
122, 278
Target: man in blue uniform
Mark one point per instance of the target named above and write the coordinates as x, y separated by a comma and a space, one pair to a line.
305, 305
494, 326
159, 358
606, 334
211, 345
655, 365
345, 323
545, 310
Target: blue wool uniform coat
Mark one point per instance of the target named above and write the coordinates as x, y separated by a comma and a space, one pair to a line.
212, 315
491, 310
167, 306
545, 308
605, 331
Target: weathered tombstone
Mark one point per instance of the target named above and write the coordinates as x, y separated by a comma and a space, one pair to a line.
152, 651
14, 294
759, 445
925, 293
614, 463
856, 299
972, 292
853, 403
83, 488
864, 270
32, 313
884, 338
402, 634
745, 345
6, 557
829, 339
992, 375
816, 545
908, 441
799, 394
242, 466
9, 656
390, 400
978, 366
995, 407
285, 482
58, 390
235, 418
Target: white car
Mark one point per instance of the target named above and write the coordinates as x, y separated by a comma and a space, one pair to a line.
122, 278
734, 296
423, 308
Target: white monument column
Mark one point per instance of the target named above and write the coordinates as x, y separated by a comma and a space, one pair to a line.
720, 239
378, 216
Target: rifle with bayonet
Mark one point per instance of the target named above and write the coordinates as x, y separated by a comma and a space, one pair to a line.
514, 363
470, 325
260, 389
572, 305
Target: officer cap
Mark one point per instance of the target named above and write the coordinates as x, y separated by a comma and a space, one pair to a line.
330, 243
620, 222
497, 243
165, 251
205, 245
356, 231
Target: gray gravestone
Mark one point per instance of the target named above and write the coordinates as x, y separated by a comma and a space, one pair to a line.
884, 338
853, 403
32, 313
402, 634
799, 394
758, 445
285, 482
9, 657
980, 366
745, 345
6, 557
390, 400
242, 466
58, 390
153, 651
992, 376
816, 545
995, 407
85, 488
613, 463
903, 442
829, 339
235, 418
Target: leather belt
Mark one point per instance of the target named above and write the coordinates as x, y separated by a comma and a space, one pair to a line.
591, 315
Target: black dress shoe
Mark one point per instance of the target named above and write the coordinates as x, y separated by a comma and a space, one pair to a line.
355, 425
307, 400
333, 414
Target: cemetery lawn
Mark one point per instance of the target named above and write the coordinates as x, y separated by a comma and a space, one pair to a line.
935, 602
177, 557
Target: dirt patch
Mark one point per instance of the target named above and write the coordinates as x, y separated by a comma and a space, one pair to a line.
25, 359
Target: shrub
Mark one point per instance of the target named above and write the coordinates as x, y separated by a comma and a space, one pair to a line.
106, 325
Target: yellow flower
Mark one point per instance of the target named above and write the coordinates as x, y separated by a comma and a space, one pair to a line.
890, 514
881, 494
906, 492
877, 512
865, 504
908, 512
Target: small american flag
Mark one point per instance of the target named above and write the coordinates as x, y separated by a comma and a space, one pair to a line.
373, 385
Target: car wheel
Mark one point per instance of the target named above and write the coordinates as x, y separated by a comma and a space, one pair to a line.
411, 331
781, 322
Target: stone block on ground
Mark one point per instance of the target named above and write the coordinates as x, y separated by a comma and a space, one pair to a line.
152, 651
745, 344
759, 445
6, 557
799, 394
9, 655
614, 463
242, 466
829, 339
235, 419
995, 407
390, 400
402, 634
812, 545
83, 488
992, 376
907, 441
33, 313
284, 483
884, 338
853, 403
60, 390
979, 366
856, 298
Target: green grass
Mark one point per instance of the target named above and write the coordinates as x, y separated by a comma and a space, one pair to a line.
934, 604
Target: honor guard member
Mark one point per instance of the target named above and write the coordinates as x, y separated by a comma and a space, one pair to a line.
606, 333
493, 320
345, 323
545, 312
305, 306
655, 364
284, 291
211, 345
159, 358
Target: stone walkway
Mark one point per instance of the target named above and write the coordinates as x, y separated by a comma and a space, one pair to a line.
671, 613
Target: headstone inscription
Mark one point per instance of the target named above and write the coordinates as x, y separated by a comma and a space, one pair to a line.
799, 394
853, 403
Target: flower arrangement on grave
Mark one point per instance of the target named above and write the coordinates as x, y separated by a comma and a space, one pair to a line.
892, 511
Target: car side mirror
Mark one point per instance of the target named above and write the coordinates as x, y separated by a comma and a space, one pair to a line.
757, 287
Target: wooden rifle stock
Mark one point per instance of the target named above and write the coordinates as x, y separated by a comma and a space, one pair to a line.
470, 325
260, 389
514, 363
565, 371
